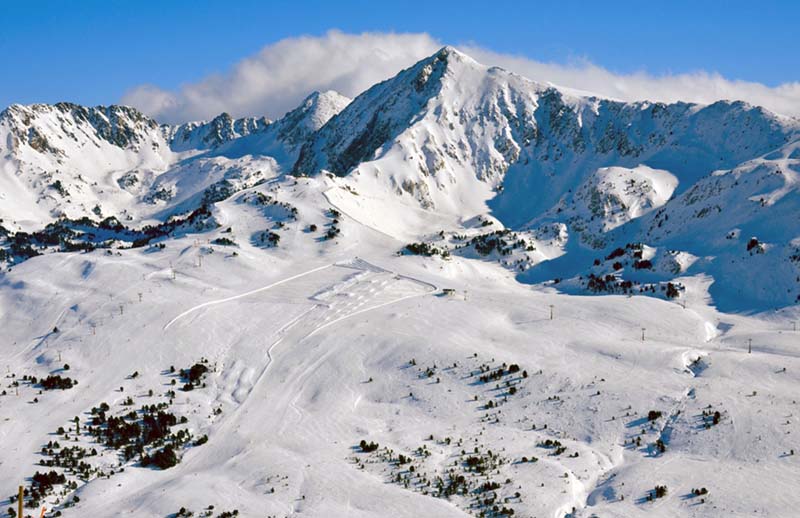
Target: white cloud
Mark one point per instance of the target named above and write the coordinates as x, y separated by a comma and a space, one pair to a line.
281, 74
277, 78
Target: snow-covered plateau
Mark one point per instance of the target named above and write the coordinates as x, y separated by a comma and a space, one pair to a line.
462, 293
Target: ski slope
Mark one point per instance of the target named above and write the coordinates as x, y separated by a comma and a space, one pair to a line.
461, 293
311, 355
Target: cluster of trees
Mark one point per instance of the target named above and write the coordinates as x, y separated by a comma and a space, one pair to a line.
53, 382
673, 291
635, 251
59, 188
485, 244
42, 484
68, 457
426, 249
657, 492
475, 463
617, 252
130, 430
333, 230
183, 512
607, 283
490, 485
87, 234
368, 447
259, 198
554, 445
146, 433
193, 375
269, 237
612, 284
469, 477
134, 432
493, 376
711, 418
499, 373
224, 241
660, 446
163, 458
455, 485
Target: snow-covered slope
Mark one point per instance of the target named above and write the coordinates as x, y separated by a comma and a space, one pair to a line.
747, 222
206, 135
376, 307
284, 139
453, 139
66, 159
441, 143
448, 132
495, 394
315, 110
74, 161
613, 196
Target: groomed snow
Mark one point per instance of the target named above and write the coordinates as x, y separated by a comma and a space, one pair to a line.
296, 333
321, 329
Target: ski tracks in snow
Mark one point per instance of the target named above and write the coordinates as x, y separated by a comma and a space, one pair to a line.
332, 305
245, 294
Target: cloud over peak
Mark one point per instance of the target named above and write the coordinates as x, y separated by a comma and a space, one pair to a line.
282, 74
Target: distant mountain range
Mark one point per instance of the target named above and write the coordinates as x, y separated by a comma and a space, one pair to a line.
563, 181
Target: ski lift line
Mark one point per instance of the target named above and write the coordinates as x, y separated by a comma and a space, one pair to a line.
39, 343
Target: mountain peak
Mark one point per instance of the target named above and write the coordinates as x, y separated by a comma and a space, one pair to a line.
386, 109
312, 113
221, 129
317, 96
41, 125
321, 106
450, 52
448, 58
222, 118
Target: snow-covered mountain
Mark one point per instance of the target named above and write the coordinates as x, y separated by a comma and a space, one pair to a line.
448, 122
73, 161
433, 148
452, 137
208, 135
57, 158
368, 307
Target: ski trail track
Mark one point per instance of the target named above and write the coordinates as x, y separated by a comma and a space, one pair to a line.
357, 292
245, 294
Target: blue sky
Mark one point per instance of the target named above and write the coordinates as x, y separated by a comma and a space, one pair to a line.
92, 52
